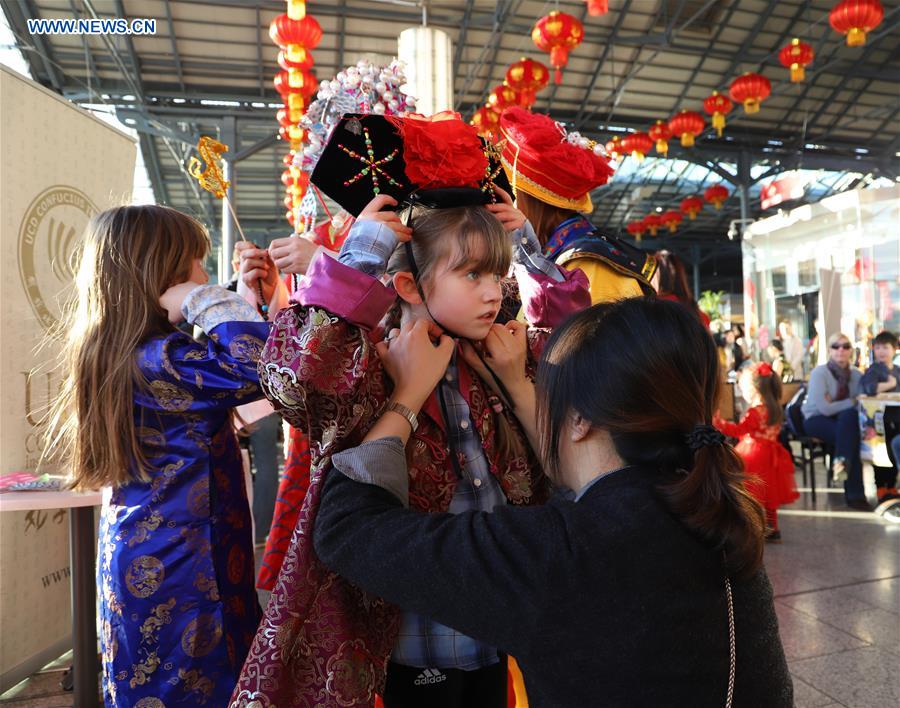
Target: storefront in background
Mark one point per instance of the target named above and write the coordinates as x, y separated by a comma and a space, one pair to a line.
828, 267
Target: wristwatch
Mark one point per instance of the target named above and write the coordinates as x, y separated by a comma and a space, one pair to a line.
405, 412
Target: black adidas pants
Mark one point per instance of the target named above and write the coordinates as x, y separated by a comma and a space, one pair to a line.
412, 687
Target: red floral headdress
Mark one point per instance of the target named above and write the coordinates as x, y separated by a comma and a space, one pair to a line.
441, 151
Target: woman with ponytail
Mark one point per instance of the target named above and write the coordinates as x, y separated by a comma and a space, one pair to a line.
769, 466
641, 583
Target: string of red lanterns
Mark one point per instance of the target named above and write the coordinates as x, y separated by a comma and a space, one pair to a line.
523, 80
559, 33
296, 33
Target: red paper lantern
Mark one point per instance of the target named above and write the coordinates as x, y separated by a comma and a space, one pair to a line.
305, 33
615, 147
855, 18
486, 121
687, 125
596, 8
288, 159
718, 106
503, 96
660, 133
751, 90
672, 219
636, 229
638, 144
691, 206
527, 77
558, 33
652, 222
795, 57
288, 202
717, 194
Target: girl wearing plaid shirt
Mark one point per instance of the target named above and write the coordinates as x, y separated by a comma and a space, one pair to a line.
323, 641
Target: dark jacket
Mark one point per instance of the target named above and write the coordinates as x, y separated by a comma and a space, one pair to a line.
608, 601
876, 374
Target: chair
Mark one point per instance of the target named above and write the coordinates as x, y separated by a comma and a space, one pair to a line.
810, 447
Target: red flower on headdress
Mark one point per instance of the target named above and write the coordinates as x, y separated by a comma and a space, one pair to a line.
441, 151
764, 369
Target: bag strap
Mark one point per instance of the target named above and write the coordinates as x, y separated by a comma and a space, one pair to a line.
731, 648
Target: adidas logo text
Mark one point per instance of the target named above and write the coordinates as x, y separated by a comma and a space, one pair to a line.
430, 676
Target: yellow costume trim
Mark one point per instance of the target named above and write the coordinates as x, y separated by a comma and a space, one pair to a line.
570, 261
582, 204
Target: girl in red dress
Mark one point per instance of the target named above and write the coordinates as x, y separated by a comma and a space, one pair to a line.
769, 466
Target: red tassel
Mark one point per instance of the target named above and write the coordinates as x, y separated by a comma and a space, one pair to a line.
557, 76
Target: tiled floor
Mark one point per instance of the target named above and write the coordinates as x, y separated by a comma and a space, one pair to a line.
837, 594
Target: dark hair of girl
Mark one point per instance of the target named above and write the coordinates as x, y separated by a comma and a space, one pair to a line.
769, 388
673, 278
648, 401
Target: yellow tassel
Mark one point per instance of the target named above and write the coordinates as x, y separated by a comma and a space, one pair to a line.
662, 147
295, 53
797, 73
296, 9
296, 102
687, 140
751, 105
856, 37
295, 78
718, 122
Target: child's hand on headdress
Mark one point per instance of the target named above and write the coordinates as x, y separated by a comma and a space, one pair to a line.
373, 212
415, 361
506, 212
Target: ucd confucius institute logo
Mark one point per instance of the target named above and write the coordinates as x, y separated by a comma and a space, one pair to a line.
48, 237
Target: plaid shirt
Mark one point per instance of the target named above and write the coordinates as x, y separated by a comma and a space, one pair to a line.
422, 642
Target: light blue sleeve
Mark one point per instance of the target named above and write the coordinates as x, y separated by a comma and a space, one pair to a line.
208, 306
368, 247
527, 252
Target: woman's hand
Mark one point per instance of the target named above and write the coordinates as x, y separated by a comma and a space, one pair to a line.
173, 298
256, 266
505, 351
373, 212
509, 216
413, 362
292, 254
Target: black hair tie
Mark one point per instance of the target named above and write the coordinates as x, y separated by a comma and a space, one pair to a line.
703, 436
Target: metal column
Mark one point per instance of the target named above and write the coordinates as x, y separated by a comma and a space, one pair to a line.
229, 137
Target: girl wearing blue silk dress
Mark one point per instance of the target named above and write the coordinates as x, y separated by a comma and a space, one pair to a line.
145, 415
